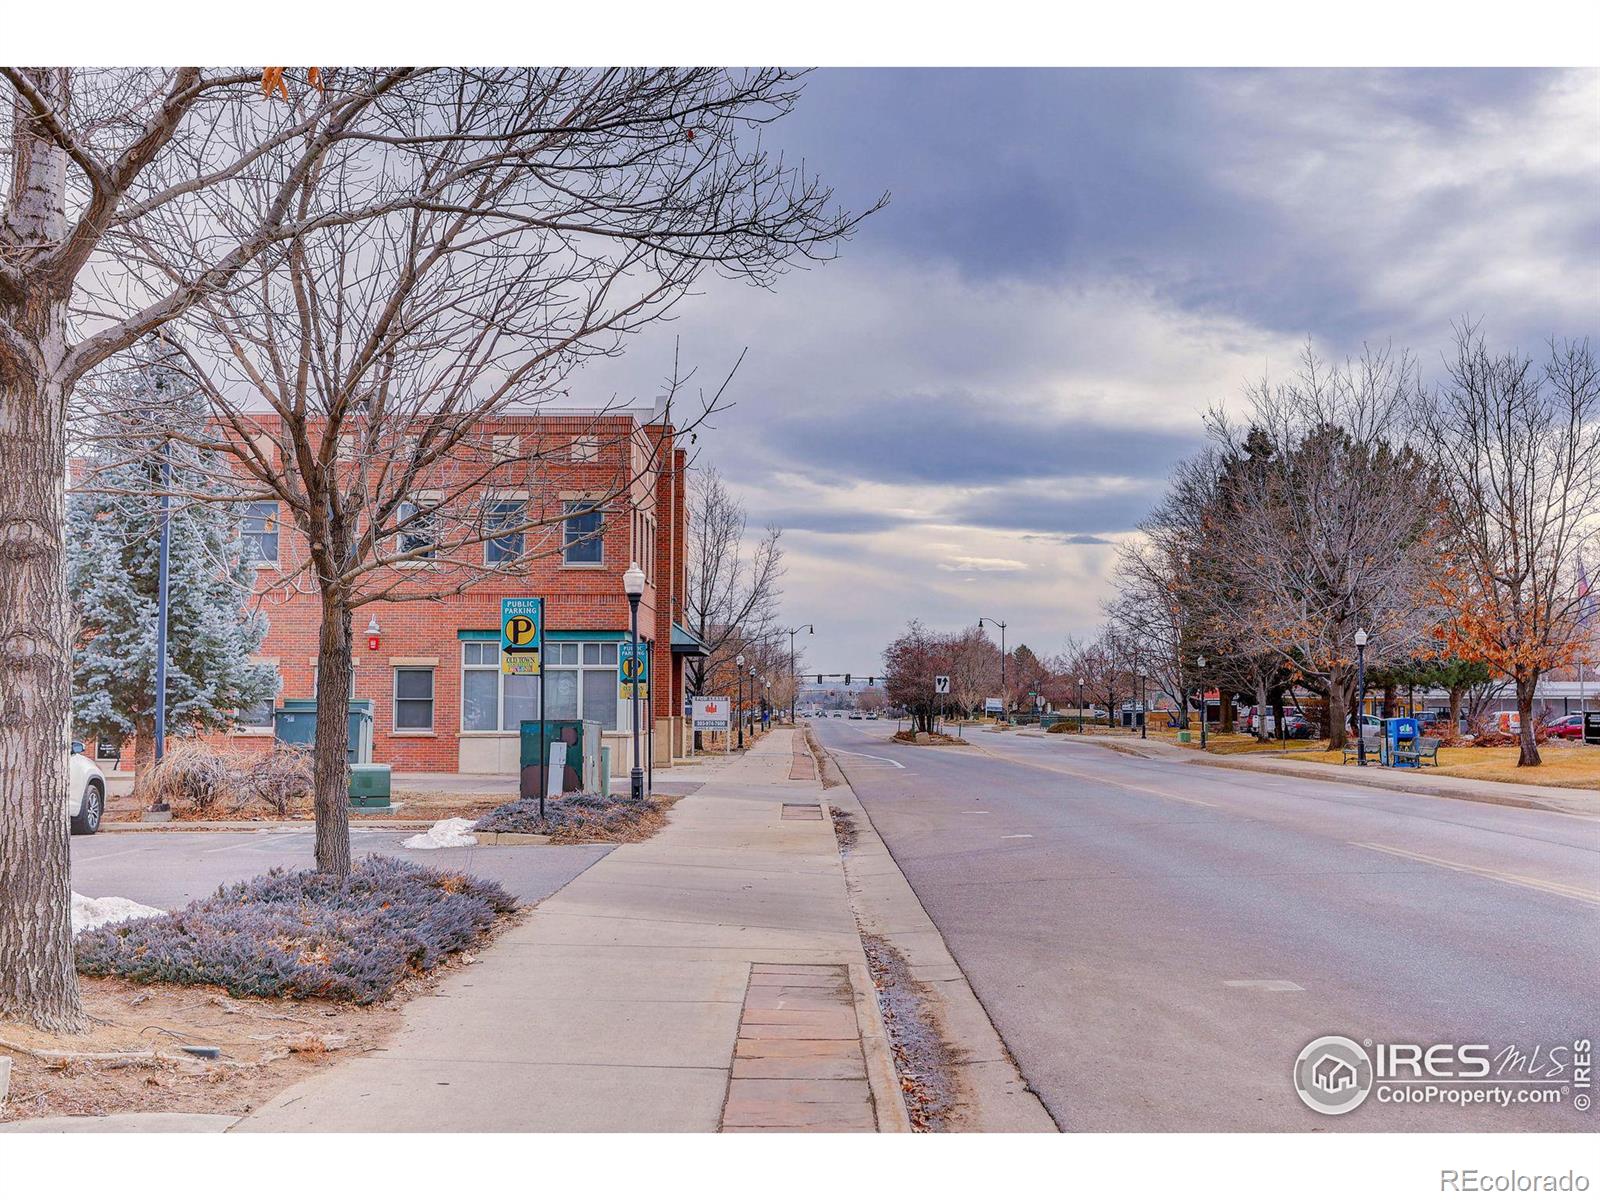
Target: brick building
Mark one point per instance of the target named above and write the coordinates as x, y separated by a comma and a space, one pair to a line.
431, 668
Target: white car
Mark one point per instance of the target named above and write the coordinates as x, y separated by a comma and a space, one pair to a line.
86, 791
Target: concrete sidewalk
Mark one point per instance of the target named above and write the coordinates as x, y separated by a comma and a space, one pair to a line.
709, 978
1573, 801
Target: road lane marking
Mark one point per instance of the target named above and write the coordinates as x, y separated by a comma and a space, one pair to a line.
1117, 783
1567, 890
1264, 985
975, 812
1006, 837
860, 754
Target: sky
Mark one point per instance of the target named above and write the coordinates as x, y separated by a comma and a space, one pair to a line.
967, 411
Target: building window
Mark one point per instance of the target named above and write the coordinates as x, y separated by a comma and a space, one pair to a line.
498, 515
580, 679
413, 699
418, 529
491, 700
582, 543
261, 532
256, 716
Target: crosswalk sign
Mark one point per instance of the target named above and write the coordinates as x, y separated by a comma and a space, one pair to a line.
521, 635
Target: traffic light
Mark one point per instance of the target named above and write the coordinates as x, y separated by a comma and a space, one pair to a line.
847, 677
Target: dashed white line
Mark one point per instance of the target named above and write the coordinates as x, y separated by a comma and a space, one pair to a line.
1006, 837
1264, 985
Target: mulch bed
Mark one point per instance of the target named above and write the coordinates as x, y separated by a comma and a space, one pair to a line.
581, 817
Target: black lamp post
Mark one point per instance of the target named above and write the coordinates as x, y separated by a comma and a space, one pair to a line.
1002, 624
1144, 712
1080, 704
794, 681
738, 661
1361, 695
633, 585
1204, 708
752, 698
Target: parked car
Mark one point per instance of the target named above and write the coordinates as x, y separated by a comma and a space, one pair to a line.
1569, 726
1295, 723
855, 716
86, 792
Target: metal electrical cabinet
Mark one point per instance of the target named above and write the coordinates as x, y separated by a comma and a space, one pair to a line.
295, 724
574, 744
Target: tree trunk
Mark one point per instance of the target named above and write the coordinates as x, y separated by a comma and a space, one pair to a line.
1338, 714
1225, 724
330, 755
1389, 700
1262, 734
1529, 745
1455, 710
38, 980
1277, 712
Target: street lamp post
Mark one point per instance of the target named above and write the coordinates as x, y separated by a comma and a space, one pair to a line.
1361, 695
1002, 624
794, 680
766, 701
1080, 704
1201, 663
1144, 712
633, 585
738, 661
752, 698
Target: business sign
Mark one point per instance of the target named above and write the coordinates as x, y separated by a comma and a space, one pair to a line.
1591, 728
991, 704
710, 713
521, 634
941, 685
633, 669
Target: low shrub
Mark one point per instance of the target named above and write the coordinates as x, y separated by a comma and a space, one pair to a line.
305, 935
579, 817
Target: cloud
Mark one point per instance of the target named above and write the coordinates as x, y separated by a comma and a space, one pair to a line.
1004, 366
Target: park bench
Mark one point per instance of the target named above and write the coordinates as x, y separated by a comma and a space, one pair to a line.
1374, 747
1425, 750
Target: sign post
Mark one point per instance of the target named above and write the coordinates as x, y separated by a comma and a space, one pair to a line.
941, 687
710, 714
522, 653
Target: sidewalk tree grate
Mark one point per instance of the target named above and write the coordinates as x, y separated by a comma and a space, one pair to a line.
802, 812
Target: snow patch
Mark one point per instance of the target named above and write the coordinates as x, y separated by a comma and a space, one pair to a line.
443, 835
87, 912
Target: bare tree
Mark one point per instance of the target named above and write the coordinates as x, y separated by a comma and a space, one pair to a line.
136, 198
1517, 451
1329, 518
733, 589
974, 669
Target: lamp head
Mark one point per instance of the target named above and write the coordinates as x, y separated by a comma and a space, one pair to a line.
738, 660
1361, 637
633, 581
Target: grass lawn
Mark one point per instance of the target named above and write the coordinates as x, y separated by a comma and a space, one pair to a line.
1566, 764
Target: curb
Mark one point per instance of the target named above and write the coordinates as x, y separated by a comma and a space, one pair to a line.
249, 826
888, 1101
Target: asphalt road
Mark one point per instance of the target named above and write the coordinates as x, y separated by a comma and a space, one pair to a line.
1156, 941
167, 870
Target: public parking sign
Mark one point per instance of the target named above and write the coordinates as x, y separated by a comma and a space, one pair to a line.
521, 635
941, 684
633, 669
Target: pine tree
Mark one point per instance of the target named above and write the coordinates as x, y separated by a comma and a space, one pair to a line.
113, 530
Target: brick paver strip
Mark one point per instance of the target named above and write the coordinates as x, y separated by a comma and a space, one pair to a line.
798, 1064
803, 766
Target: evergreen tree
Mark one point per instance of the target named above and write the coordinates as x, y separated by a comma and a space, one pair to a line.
113, 534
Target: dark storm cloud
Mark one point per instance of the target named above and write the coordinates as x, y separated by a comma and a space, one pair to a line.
964, 441
1040, 511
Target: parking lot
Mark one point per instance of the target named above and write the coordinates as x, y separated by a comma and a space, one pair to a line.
167, 870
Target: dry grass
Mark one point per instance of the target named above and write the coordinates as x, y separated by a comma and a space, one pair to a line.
1565, 764
908, 737
201, 781
266, 1045
577, 819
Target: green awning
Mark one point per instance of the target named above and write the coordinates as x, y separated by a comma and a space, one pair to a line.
687, 644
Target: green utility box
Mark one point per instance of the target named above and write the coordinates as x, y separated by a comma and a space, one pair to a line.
295, 724
575, 743
369, 785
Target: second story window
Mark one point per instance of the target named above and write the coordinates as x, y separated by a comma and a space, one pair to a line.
260, 529
503, 515
418, 529
585, 449
581, 543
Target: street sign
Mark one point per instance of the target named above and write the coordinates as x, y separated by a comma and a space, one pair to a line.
1591, 728
710, 713
521, 635
941, 685
633, 667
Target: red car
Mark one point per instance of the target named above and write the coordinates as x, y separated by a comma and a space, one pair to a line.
1569, 726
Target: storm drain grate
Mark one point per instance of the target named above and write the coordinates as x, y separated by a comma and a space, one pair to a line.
802, 812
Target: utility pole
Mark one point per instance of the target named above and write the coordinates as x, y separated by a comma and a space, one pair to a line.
794, 680
1003, 707
1361, 696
